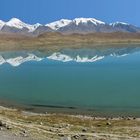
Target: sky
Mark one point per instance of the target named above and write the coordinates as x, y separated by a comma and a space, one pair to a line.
45, 11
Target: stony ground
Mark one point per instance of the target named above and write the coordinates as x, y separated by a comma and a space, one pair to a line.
21, 125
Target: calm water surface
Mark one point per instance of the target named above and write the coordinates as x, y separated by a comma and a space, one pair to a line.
100, 80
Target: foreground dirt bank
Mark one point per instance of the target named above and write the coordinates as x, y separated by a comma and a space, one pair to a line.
20, 125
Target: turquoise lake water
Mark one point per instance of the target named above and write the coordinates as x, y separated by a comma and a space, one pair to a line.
105, 80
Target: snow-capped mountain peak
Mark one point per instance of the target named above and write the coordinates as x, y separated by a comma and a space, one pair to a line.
118, 23
14, 22
37, 25
64, 22
33, 27
58, 24
86, 20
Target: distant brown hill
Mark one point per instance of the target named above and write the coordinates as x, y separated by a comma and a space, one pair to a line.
55, 40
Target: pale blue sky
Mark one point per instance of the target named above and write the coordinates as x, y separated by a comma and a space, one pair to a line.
45, 11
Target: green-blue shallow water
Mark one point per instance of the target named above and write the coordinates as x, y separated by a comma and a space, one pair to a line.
110, 84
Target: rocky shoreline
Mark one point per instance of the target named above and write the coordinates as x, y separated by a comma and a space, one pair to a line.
17, 124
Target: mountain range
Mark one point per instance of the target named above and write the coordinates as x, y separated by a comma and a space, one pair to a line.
65, 26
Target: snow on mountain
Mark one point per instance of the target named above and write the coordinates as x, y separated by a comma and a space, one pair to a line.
77, 25
124, 27
14, 22
2, 23
77, 21
37, 25
58, 24
64, 22
32, 28
118, 23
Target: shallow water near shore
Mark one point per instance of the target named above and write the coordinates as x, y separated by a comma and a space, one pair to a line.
99, 80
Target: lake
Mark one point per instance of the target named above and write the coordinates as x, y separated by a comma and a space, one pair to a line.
102, 81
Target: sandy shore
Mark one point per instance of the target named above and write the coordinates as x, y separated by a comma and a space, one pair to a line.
21, 125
